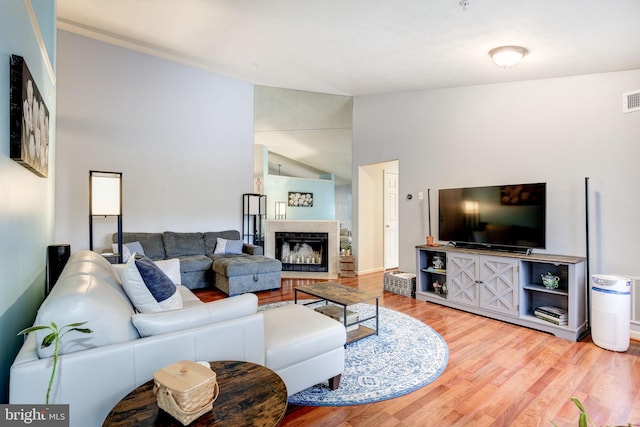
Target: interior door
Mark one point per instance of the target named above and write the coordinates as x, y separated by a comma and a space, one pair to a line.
391, 238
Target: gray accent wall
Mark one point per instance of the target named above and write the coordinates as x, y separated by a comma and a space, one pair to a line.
182, 137
557, 131
26, 200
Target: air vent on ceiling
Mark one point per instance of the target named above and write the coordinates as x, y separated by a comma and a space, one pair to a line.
631, 101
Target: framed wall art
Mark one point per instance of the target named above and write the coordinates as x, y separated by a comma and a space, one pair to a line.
300, 200
29, 120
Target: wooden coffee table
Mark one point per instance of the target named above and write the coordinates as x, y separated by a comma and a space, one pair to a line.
250, 395
344, 296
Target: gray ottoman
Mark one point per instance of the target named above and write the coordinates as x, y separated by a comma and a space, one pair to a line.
239, 274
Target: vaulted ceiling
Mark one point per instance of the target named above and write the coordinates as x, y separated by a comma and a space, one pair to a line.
360, 47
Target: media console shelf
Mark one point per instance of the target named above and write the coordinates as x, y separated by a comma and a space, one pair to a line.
504, 286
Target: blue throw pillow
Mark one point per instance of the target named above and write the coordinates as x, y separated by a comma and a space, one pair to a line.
158, 283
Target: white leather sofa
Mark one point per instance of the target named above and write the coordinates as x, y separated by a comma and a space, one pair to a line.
96, 370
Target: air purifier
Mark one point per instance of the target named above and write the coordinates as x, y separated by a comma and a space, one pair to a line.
610, 311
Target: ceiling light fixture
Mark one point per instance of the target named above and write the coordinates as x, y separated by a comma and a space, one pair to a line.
507, 56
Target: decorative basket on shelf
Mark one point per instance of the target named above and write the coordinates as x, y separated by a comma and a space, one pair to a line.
186, 390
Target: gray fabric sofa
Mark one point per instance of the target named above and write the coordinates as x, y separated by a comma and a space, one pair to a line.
233, 274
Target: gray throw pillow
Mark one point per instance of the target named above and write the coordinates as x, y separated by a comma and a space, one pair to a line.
128, 249
229, 247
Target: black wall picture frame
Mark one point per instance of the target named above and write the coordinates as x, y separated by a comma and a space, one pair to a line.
29, 120
298, 199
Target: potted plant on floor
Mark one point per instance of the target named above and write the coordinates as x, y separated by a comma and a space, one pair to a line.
54, 338
585, 420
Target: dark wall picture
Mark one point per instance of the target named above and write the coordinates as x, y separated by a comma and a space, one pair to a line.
300, 200
29, 120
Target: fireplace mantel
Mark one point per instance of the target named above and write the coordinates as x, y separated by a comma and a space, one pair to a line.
331, 227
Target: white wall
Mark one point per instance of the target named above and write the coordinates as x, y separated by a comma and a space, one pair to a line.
557, 131
308, 126
182, 137
314, 128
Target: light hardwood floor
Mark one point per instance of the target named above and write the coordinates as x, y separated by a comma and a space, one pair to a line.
498, 374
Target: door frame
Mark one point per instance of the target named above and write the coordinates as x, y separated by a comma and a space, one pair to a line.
370, 224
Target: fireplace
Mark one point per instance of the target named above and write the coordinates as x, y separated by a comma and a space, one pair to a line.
330, 227
302, 251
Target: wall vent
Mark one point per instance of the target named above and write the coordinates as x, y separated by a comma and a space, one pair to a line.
631, 101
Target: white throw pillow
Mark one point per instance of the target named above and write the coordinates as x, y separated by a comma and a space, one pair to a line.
148, 287
170, 267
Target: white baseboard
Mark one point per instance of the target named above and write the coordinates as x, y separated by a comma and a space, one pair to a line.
372, 270
635, 331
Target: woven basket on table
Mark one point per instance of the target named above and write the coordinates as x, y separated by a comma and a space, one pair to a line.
186, 390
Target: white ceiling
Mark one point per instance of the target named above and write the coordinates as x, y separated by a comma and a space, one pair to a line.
360, 47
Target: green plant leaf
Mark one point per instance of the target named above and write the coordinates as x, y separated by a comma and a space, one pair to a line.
49, 339
83, 330
54, 325
577, 402
32, 329
582, 421
74, 325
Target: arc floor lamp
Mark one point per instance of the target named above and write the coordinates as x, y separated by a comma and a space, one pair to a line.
105, 199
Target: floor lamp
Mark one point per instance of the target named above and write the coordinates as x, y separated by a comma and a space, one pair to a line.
105, 199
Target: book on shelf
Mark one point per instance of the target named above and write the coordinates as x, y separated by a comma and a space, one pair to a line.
550, 319
552, 311
436, 270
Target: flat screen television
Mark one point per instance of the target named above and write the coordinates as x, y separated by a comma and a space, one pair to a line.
501, 217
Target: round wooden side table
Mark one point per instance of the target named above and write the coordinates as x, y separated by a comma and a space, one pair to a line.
250, 395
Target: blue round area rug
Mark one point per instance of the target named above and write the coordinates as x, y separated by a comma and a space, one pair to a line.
406, 355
